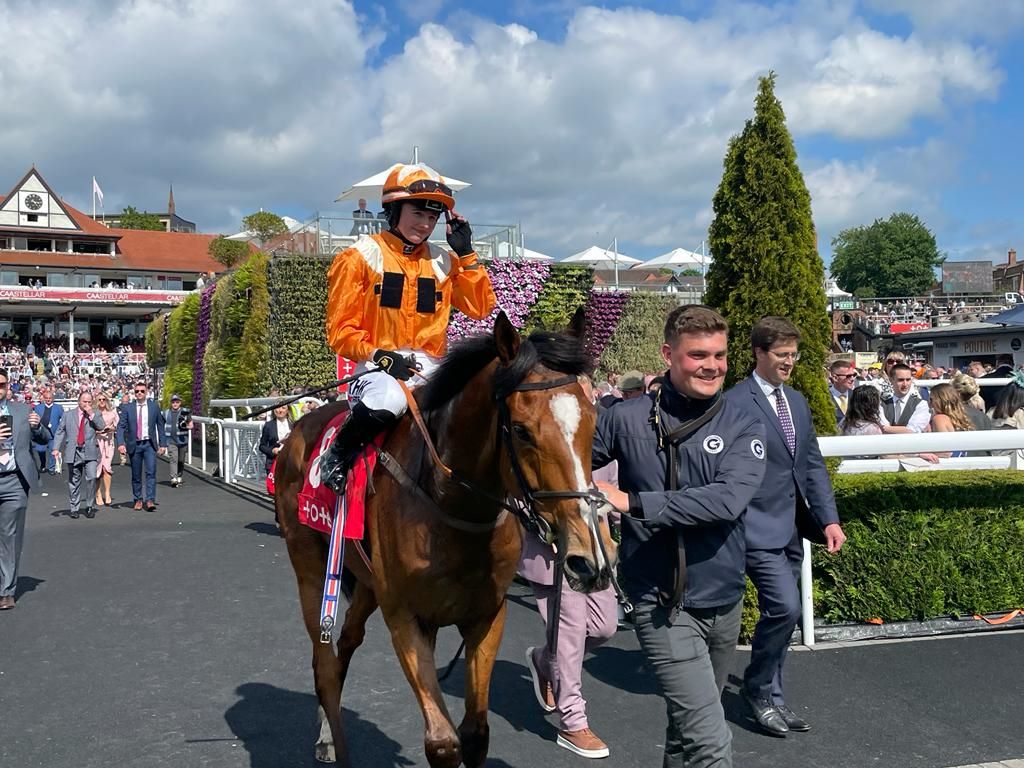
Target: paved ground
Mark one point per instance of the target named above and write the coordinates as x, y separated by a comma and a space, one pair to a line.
173, 639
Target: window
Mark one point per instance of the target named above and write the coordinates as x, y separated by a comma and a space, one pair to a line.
9, 278
56, 279
32, 218
91, 247
40, 245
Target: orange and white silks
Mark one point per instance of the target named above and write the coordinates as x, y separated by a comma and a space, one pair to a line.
380, 297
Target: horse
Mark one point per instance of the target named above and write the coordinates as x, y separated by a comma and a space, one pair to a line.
497, 439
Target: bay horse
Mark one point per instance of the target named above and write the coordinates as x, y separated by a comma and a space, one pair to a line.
509, 416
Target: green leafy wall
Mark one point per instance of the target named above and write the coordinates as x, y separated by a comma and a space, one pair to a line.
297, 332
181, 350
636, 342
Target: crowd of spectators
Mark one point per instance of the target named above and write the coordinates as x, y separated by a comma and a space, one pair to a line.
939, 311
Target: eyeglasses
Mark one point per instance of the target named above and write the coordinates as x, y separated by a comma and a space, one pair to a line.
892, 360
429, 185
845, 375
794, 356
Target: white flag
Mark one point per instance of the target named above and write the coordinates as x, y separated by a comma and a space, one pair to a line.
96, 190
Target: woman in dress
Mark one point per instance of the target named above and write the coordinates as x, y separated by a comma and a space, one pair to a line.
863, 412
107, 448
948, 414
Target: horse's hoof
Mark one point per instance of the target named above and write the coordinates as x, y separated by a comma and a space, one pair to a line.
325, 752
444, 754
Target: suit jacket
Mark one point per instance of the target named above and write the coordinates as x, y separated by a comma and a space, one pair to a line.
66, 439
127, 427
56, 414
796, 493
24, 436
991, 394
268, 441
835, 402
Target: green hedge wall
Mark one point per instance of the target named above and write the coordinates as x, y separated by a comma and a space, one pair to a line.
181, 350
920, 545
156, 352
636, 342
566, 290
237, 354
297, 332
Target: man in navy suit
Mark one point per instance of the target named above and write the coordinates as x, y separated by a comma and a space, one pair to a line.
140, 435
796, 494
843, 378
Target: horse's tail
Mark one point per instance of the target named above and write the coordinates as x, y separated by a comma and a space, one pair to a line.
348, 583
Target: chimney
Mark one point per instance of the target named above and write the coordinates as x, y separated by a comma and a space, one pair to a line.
1011, 257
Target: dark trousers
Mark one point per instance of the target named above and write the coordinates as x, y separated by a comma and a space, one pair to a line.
13, 503
691, 660
144, 459
776, 574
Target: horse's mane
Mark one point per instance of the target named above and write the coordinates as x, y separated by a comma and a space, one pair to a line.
560, 352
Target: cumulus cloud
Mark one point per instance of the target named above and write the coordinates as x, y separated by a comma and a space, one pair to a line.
615, 129
989, 20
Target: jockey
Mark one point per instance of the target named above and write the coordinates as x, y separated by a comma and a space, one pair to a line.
390, 296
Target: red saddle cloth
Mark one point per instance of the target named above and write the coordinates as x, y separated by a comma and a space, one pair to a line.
318, 504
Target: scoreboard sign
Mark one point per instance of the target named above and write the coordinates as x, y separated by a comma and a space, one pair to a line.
974, 277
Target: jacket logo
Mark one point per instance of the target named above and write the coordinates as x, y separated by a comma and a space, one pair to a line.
757, 448
713, 444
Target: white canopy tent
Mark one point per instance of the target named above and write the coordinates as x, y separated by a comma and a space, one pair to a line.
598, 257
677, 258
372, 187
506, 250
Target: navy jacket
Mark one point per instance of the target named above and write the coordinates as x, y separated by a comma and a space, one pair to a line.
128, 425
720, 468
796, 493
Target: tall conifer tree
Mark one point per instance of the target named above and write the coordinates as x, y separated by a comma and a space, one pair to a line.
765, 254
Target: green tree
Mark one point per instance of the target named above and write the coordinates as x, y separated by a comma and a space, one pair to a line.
227, 252
132, 219
894, 257
765, 257
264, 225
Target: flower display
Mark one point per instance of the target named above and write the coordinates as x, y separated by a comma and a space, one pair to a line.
603, 312
517, 284
202, 337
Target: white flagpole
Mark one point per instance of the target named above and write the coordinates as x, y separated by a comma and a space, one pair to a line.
94, 198
615, 245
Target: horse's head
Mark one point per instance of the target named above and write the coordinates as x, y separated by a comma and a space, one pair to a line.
547, 430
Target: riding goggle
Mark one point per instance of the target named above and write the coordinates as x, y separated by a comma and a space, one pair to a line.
421, 186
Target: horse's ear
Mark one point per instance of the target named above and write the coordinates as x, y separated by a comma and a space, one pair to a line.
506, 337
578, 324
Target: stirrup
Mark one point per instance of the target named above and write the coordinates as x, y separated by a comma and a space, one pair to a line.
334, 477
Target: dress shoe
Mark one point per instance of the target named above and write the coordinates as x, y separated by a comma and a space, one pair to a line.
137, 506
542, 687
73, 514
767, 717
90, 512
795, 722
6, 602
150, 506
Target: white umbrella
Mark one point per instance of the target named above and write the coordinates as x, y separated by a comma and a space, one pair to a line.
505, 250
599, 256
677, 258
372, 187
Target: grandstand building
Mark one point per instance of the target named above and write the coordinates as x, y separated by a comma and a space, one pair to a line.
62, 274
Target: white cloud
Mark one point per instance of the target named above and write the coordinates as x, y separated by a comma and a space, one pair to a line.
847, 194
617, 128
993, 20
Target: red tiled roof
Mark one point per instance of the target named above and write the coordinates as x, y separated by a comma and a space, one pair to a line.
136, 250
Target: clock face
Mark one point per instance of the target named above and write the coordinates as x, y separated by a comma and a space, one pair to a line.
33, 201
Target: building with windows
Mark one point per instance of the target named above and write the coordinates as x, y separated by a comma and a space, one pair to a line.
170, 219
59, 267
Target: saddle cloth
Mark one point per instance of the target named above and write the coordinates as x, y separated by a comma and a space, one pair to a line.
318, 504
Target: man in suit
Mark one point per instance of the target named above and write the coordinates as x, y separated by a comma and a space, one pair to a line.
795, 493
141, 436
843, 378
50, 413
363, 220
906, 411
81, 452
19, 428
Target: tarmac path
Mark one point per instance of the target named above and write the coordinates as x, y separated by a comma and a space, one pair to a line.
173, 638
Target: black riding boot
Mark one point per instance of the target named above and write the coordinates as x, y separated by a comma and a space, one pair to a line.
361, 426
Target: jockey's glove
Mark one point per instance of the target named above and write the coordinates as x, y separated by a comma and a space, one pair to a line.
460, 239
399, 366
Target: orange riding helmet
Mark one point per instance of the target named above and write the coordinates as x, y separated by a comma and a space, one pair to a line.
417, 182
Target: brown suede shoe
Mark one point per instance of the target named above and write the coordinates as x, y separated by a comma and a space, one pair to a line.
137, 505
6, 603
583, 742
542, 687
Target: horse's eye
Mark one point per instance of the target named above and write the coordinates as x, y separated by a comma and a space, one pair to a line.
522, 433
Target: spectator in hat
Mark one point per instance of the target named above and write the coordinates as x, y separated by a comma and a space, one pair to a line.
632, 384
177, 423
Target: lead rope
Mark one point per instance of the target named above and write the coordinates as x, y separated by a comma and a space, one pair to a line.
555, 606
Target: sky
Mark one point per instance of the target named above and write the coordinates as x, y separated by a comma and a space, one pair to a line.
581, 123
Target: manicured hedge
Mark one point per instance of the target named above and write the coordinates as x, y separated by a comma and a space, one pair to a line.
297, 332
566, 289
920, 546
156, 348
636, 342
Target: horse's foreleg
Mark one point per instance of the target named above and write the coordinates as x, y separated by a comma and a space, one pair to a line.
482, 641
415, 650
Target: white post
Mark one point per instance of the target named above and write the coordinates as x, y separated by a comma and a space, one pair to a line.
71, 334
615, 246
415, 155
806, 597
